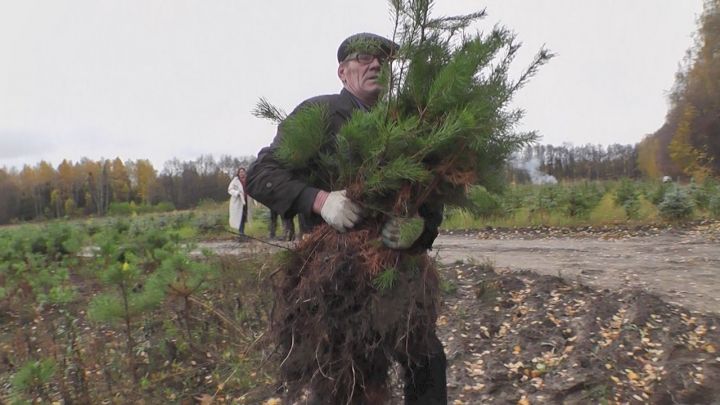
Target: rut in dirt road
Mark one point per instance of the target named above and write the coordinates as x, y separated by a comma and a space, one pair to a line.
681, 266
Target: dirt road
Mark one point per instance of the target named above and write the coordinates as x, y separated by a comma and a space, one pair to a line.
681, 266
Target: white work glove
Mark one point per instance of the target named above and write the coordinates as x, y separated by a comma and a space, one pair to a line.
400, 233
340, 212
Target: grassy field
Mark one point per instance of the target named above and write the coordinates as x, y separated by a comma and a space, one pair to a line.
587, 204
128, 309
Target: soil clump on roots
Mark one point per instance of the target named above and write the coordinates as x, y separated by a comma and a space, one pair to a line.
345, 308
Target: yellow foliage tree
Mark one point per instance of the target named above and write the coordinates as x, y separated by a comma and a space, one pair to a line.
119, 181
683, 153
145, 176
648, 150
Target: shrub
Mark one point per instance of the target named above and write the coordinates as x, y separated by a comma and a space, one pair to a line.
625, 191
676, 205
119, 209
63, 239
32, 376
632, 208
485, 204
70, 207
699, 194
512, 200
545, 201
207, 204
121, 226
714, 205
628, 197
210, 223
164, 206
578, 201
657, 195
129, 208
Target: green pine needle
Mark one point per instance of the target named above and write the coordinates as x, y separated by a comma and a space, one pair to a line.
264, 109
386, 280
304, 136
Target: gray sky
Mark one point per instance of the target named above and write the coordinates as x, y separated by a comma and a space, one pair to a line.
177, 78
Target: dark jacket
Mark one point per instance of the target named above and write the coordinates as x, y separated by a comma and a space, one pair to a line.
287, 192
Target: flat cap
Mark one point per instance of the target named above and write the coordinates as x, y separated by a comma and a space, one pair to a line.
365, 42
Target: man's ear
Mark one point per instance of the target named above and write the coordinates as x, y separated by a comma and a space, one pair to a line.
341, 72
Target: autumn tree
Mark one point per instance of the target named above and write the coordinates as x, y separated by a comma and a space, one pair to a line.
9, 197
119, 181
67, 186
695, 102
691, 160
97, 188
89, 186
648, 150
145, 176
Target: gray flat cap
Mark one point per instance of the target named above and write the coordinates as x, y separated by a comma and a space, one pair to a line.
365, 42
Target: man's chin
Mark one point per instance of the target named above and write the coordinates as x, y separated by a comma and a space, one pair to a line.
375, 90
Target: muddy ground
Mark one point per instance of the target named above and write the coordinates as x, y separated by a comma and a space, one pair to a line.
681, 265
524, 338
605, 332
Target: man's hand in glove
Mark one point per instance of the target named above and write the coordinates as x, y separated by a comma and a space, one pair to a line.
400, 233
340, 212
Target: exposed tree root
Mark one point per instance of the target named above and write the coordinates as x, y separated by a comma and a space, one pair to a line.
338, 332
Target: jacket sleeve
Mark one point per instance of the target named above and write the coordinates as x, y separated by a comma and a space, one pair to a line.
432, 212
277, 187
233, 189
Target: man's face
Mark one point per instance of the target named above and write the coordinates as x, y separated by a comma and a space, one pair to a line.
360, 74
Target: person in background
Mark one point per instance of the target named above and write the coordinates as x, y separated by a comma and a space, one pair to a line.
238, 202
288, 227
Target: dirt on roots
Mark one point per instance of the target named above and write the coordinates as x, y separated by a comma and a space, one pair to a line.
338, 329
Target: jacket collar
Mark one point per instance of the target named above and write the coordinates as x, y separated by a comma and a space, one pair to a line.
356, 101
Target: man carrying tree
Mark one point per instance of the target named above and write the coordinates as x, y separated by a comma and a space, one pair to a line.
370, 169
289, 191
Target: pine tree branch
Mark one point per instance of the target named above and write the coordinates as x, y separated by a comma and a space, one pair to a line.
542, 57
454, 23
263, 109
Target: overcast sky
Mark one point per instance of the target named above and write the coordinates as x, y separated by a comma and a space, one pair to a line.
177, 78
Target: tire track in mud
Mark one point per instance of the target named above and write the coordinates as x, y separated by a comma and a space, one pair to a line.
681, 267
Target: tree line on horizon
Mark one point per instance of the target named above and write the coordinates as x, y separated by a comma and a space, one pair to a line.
583, 162
90, 187
93, 187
